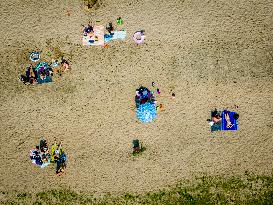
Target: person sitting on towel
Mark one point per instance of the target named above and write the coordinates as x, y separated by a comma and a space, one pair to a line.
88, 29
110, 28
64, 65
43, 145
29, 77
215, 118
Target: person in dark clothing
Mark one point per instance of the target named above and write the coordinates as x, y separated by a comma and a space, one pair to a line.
110, 28
61, 163
236, 116
136, 146
30, 76
37, 156
43, 145
88, 29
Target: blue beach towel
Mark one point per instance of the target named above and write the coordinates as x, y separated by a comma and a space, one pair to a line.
146, 112
232, 120
121, 35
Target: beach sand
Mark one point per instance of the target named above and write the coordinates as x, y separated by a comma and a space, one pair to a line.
212, 54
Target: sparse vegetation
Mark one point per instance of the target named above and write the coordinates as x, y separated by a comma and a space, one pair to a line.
90, 3
249, 189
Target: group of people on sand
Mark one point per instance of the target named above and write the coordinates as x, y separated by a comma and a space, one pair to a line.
34, 75
58, 156
41, 156
138, 36
109, 27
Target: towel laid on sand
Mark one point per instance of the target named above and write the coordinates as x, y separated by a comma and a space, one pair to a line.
232, 120
121, 35
96, 38
222, 124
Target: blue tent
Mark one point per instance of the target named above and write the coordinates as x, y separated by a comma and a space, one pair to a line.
146, 112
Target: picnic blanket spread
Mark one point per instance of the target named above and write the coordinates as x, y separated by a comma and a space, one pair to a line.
94, 39
36, 158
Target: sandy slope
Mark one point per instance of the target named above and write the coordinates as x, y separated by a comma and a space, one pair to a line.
214, 54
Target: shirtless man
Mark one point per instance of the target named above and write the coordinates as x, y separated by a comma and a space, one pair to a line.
229, 124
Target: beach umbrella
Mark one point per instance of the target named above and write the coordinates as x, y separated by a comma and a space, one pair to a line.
146, 112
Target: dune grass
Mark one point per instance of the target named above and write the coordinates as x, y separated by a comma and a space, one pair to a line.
248, 189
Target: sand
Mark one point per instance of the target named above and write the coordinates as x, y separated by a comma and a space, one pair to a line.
212, 54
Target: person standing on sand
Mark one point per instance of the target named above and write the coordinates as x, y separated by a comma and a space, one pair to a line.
61, 163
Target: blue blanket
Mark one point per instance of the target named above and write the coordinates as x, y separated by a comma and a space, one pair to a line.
232, 120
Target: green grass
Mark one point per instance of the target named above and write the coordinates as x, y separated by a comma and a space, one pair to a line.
248, 189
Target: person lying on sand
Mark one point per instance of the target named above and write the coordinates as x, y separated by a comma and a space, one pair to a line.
229, 124
64, 66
